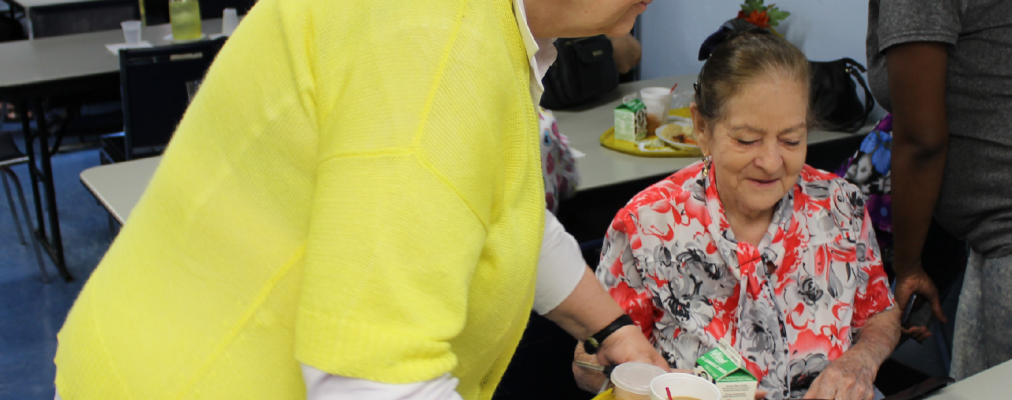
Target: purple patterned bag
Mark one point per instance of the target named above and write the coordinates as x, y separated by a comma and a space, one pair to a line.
868, 168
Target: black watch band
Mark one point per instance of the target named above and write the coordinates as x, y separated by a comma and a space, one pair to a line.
594, 341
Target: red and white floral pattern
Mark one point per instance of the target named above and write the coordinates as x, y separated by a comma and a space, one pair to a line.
790, 306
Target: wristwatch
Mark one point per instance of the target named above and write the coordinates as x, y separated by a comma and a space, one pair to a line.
594, 341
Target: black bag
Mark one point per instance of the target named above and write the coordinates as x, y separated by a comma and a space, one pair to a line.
834, 97
583, 70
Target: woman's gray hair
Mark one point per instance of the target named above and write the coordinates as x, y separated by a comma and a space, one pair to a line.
740, 59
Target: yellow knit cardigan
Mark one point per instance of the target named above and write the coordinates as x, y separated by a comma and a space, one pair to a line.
357, 187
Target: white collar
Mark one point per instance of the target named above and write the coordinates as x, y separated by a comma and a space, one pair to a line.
541, 53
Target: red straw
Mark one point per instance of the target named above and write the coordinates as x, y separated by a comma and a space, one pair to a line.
673, 88
669, 389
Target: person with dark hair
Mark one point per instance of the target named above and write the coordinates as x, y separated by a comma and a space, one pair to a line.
944, 70
750, 246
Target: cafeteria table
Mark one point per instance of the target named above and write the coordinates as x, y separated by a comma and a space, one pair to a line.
602, 167
119, 186
34, 70
63, 7
988, 384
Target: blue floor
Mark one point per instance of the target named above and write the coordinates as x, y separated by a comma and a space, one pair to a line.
31, 313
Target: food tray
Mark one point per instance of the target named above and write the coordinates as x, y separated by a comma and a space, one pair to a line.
608, 140
605, 395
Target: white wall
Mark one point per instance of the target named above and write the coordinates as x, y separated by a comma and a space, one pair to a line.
674, 29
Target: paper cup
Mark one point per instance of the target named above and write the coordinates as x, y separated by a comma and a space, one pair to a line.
229, 20
658, 102
131, 31
683, 386
632, 380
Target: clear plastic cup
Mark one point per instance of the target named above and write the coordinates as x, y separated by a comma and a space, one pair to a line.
229, 20
632, 380
683, 387
131, 31
658, 102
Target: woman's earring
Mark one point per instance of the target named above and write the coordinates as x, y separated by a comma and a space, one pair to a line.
707, 161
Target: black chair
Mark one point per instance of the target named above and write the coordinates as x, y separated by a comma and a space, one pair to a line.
156, 85
87, 113
157, 11
81, 17
10, 156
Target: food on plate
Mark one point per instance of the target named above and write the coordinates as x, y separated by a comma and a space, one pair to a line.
678, 133
655, 143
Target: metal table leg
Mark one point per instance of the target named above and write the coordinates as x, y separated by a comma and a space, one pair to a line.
55, 246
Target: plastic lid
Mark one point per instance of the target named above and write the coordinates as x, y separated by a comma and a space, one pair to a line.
635, 377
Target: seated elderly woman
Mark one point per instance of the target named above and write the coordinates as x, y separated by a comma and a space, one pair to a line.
752, 246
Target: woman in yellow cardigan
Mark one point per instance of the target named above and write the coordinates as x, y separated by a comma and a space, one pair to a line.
355, 192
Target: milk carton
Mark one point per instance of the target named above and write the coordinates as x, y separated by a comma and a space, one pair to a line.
724, 367
631, 121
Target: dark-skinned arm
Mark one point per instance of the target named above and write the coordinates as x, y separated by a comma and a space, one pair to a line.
921, 137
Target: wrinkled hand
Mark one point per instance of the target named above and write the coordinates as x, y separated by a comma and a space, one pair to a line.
624, 345
850, 377
587, 379
629, 345
918, 282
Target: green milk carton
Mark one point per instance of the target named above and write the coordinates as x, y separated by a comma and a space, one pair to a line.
631, 121
724, 367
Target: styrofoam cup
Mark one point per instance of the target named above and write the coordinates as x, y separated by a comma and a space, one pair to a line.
632, 380
683, 385
131, 31
658, 102
229, 20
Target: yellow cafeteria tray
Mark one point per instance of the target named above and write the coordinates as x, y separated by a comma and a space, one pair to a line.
605, 395
608, 140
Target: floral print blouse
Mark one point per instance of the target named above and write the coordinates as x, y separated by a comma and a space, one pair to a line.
789, 306
557, 163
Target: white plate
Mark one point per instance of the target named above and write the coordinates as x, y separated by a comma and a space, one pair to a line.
680, 146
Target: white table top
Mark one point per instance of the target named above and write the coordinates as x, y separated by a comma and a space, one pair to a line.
990, 384
603, 167
27, 62
42, 3
119, 186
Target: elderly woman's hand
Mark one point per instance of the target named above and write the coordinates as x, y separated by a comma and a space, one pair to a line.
625, 345
629, 345
587, 379
850, 377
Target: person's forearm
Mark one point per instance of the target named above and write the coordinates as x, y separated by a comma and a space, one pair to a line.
921, 136
587, 310
626, 52
917, 179
877, 339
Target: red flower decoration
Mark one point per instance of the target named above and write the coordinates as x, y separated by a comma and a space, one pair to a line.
760, 19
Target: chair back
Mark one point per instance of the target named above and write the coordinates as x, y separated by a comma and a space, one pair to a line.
157, 11
157, 85
80, 17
